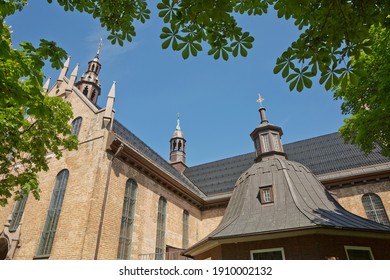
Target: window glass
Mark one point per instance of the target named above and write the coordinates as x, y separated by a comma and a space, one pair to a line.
268, 254
53, 214
17, 213
126, 232
185, 228
76, 124
160, 236
374, 208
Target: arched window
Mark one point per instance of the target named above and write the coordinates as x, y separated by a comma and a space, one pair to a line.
93, 68
93, 95
160, 236
126, 233
76, 124
53, 214
17, 213
186, 216
85, 91
375, 211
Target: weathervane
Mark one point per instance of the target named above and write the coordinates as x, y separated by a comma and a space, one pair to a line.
260, 100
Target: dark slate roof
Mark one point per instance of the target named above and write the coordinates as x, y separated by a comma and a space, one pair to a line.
149, 153
300, 201
323, 154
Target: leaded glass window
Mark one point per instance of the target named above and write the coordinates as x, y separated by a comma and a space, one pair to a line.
76, 124
185, 228
126, 233
374, 208
17, 213
160, 236
53, 214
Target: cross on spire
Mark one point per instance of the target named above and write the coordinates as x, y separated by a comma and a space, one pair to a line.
260, 100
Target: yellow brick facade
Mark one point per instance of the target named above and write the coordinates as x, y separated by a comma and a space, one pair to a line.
89, 225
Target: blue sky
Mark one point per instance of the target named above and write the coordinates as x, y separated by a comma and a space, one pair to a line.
216, 99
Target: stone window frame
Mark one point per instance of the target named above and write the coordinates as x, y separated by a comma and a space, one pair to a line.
46, 240
161, 228
358, 248
259, 251
127, 221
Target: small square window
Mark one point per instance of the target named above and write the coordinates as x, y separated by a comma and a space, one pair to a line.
266, 195
358, 253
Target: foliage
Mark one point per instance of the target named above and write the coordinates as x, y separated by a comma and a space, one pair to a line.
332, 31
368, 99
32, 124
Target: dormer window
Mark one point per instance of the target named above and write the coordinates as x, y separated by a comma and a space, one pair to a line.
266, 195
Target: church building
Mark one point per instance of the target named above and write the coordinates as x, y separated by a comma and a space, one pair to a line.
116, 198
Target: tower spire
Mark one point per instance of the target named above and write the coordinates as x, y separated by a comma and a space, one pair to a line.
99, 48
89, 83
267, 137
178, 148
178, 122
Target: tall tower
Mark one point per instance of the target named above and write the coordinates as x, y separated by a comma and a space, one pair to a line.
178, 148
89, 83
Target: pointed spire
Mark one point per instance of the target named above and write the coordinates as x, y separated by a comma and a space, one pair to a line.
111, 94
46, 85
72, 79
64, 69
99, 48
109, 114
178, 148
267, 137
178, 122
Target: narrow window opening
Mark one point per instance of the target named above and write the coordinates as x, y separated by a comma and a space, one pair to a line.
160, 236
126, 231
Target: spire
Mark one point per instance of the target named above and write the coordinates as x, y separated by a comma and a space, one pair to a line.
89, 83
73, 77
64, 69
99, 48
178, 148
46, 85
178, 122
109, 111
267, 137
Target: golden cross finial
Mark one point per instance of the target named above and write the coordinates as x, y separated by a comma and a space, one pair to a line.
99, 46
260, 100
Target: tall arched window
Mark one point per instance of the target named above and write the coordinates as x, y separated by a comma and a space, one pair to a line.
160, 236
76, 124
126, 233
53, 214
186, 216
17, 213
374, 208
